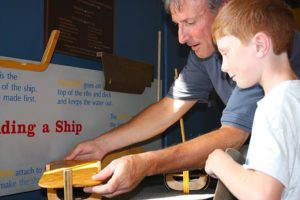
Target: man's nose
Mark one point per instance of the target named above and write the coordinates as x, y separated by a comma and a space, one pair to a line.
182, 34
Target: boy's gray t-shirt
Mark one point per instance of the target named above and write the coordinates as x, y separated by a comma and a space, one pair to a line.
200, 76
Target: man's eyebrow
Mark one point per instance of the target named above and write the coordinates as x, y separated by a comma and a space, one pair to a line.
175, 22
184, 21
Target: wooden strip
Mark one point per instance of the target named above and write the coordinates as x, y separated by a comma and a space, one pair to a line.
158, 65
33, 66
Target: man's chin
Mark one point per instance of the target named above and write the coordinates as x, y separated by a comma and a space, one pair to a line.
203, 55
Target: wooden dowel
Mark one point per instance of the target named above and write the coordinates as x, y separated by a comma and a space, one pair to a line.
186, 175
68, 189
158, 65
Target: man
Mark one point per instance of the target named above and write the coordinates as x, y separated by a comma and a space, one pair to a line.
201, 74
249, 35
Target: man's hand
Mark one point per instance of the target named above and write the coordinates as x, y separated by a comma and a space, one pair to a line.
87, 150
122, 175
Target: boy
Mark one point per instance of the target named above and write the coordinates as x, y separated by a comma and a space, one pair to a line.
254, 38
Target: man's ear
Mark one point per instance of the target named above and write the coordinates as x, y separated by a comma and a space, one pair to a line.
262, 44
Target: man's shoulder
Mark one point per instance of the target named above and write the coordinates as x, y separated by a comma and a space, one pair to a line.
295, 53
296, 40
246, 97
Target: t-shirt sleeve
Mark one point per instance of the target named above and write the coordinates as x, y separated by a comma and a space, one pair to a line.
240, 109
269, 153
193, 82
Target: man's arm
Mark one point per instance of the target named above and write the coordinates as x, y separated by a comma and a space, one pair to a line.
147, 124
127, 172
193, 153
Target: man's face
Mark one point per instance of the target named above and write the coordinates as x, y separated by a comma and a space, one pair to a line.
239, 61
194, 20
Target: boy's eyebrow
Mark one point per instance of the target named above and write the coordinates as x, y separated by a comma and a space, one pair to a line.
221, 49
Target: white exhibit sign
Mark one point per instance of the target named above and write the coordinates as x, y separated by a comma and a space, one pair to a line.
44, 114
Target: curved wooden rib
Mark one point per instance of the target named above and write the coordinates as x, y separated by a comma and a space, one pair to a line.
32, 66
196, 181
82, 171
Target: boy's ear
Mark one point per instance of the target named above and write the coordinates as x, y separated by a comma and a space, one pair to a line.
262, 44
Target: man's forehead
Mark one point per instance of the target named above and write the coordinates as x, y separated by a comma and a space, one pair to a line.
188, 10
179, 5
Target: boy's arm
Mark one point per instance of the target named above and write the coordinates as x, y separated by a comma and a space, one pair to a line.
243, 183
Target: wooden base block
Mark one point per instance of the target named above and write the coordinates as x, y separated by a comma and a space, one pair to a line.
52, 194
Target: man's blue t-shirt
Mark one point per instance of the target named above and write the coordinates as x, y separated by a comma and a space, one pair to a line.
200, 76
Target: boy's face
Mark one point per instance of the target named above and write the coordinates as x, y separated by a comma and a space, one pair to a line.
194, 20
239, 61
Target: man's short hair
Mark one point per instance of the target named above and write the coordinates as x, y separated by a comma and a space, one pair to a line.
213, 5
